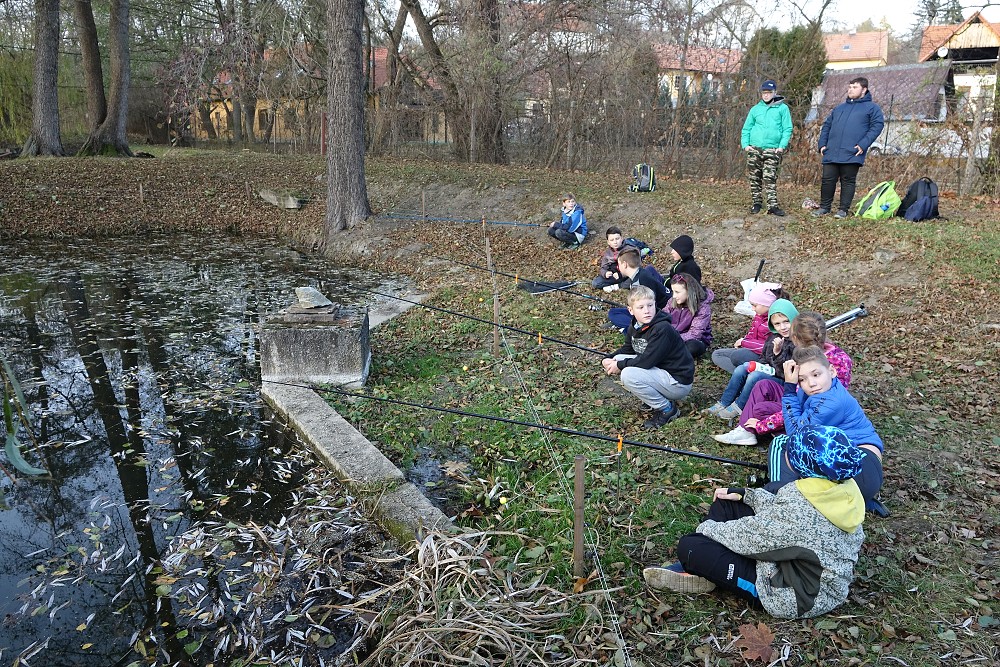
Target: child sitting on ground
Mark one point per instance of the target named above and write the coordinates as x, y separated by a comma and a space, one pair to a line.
690, 310
654, 363
777, 350
607, 272
571, 228
634, 273
762, 412
751, 345
791, 552
682, 252
813, 397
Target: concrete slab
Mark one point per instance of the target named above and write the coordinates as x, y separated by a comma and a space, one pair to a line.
398, 505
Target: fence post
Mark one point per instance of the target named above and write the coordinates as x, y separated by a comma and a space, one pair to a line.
579, 569
569, 135
496, 293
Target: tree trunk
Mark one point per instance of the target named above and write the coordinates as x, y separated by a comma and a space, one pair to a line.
93, 72
205, 114
346, 190
991, 170
490, 118
109, 137
44, 138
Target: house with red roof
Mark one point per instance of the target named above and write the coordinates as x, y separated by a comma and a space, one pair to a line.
973, 47
853, 49
695, 69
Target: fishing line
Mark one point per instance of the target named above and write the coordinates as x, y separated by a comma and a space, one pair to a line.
534, 334
517, 422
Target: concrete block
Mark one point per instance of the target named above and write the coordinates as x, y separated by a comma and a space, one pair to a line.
405, 512
317, 345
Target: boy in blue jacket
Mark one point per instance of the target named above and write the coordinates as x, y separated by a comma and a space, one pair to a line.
571, 228
850, 129
814, 396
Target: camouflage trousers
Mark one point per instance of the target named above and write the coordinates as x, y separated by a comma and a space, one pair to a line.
762, 171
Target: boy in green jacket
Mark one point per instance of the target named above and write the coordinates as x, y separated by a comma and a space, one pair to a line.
766, 133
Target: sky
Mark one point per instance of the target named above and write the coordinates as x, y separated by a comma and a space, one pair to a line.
898, 13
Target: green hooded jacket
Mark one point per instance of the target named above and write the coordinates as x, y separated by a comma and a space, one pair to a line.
768, 125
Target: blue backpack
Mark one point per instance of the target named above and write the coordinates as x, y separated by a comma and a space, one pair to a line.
921, 201
644, 250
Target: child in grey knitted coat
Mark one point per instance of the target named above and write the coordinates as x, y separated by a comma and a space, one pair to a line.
792, 552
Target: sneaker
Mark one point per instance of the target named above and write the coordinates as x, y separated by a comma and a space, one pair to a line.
738, 436
820, 211
611, 288
774, 210
662, 418
714, 410
840, 214
755, 209
674, 578
729, 412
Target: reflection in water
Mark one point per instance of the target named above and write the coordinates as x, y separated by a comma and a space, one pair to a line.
170, 515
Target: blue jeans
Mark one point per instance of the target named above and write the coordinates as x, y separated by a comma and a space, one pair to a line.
740, 385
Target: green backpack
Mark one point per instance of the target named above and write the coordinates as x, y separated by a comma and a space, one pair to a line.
880, 203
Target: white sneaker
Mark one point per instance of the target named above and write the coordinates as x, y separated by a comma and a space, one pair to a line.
738, 436
610, 288
729, 412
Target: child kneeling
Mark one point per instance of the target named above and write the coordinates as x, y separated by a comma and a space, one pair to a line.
791, 553
654, 362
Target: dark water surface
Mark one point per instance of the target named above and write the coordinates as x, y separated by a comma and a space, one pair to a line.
139, 359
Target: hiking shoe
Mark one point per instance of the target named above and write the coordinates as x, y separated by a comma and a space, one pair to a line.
840, 214
714, 410
729, 412
755, 209
775, 210
738, 436
820, 211
662, 418
674, 578
611, 288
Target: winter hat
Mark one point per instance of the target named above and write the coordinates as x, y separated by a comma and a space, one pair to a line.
763, 295
684, 245
783, 306
823, 451
769, 84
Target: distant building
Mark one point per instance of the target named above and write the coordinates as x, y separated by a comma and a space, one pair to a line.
851, 50
972, 47
695, 70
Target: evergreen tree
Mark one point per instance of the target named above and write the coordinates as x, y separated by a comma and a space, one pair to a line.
795, 58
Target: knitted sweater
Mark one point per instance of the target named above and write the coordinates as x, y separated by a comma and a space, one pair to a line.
805, 563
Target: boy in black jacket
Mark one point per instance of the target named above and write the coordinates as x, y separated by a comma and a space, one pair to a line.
654, 362
634, 273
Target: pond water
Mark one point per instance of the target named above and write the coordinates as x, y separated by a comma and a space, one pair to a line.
166, 518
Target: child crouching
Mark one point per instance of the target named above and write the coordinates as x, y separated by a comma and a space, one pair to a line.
654, 363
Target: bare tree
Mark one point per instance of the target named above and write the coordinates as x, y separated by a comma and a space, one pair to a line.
44, 138
109, 138
346, 190
93, 72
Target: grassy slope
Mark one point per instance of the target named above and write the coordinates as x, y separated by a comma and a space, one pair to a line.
925, 364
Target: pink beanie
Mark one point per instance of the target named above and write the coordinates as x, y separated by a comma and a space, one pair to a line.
762, 294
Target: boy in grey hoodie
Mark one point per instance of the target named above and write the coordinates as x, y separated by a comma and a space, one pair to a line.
791, 553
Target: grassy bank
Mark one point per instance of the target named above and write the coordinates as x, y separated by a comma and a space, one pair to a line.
927, 589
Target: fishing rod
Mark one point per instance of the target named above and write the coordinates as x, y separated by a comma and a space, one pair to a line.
543, 283
534, 334
545, 427
849, 316
417, 216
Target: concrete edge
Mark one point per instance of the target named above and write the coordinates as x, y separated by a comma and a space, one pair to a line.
395, 504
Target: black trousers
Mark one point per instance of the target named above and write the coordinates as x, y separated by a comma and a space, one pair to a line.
847, 174
704, 557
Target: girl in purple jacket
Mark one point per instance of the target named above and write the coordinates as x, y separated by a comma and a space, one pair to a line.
690, 310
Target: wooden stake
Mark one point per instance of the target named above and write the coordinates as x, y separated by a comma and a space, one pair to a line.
579, 567
142, 197
496, 299
423, 204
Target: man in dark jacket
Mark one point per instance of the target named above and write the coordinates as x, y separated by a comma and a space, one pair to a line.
847, 133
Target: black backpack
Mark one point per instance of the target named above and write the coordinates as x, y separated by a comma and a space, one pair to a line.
921, 189
643, 178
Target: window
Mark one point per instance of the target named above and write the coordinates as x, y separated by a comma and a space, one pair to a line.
847, 47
